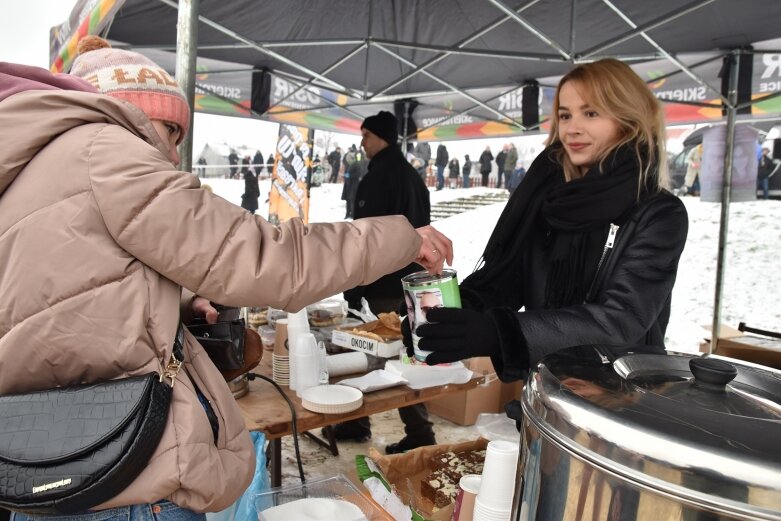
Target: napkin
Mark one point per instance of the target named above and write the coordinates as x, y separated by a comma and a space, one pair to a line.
374, 381
421, 376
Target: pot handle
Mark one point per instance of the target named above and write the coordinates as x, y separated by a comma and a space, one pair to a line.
711, 373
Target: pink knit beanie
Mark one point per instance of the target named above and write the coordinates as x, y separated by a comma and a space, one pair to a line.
134, 78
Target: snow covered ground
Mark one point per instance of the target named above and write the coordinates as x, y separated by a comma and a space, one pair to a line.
752, 274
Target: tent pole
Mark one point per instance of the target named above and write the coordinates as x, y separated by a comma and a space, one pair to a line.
186, 45
368, 50
404, 139
726, 189
531, 28
572, 10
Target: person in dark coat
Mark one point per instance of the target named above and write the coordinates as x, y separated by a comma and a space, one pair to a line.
589, 243
454, 170
510, 163
467, 170
233, 160
270, 164
249, 199
517, 177
335, 160
485, 165
391, 186
441, 162
257, 163
766, 169
352, 178
500, 157
423, 154
201, 168
423, 151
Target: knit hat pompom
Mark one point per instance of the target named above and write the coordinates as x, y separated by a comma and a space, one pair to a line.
91, 42
134, 78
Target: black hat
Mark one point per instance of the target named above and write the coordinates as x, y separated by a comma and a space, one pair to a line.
384, 125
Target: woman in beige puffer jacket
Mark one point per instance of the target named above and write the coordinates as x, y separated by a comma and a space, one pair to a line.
99, 234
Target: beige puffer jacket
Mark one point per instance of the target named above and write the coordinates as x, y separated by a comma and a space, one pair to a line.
98, 235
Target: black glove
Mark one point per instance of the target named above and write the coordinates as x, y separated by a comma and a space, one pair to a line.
455, 334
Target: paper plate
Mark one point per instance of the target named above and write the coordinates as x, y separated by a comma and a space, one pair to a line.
331, 399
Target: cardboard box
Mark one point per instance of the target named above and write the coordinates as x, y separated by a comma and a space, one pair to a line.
405, 472
755, 349
462, 408
386, 349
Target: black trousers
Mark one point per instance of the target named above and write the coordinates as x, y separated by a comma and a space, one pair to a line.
415, 417
334, 173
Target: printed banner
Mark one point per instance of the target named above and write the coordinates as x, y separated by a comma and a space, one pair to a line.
87, 17
289, 196
744, 164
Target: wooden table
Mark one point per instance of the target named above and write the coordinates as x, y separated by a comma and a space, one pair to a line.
264, 409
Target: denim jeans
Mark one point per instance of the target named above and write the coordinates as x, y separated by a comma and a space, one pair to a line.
440, 177
764, 185
160, 511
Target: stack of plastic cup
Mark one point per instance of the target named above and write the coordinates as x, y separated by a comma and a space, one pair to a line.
494, 501
306, 363
297, 326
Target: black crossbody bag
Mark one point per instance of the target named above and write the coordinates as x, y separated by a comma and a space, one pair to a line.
69, 449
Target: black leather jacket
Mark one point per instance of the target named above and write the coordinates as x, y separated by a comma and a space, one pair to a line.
629, 302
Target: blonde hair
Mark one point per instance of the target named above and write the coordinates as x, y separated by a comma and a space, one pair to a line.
615, 90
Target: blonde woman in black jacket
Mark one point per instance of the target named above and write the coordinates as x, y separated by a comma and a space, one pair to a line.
587, 249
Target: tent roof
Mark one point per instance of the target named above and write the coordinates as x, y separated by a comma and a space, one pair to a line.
377, 43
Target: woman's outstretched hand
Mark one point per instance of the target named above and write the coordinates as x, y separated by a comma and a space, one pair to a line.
435, 249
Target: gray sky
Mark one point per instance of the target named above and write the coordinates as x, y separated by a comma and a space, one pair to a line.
24, 29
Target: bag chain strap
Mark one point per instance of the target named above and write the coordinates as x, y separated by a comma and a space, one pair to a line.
177, 358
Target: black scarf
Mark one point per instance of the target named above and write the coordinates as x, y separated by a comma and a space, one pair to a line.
577, 213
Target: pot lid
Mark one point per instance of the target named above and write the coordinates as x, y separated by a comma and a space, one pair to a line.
706, 430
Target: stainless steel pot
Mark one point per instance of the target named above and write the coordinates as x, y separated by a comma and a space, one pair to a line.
239, 386
642, 436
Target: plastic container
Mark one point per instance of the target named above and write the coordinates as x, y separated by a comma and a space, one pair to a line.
337, 487
267, 337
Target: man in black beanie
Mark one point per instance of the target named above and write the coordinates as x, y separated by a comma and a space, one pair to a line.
391, 186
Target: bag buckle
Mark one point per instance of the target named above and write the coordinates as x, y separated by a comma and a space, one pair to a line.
171, 370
